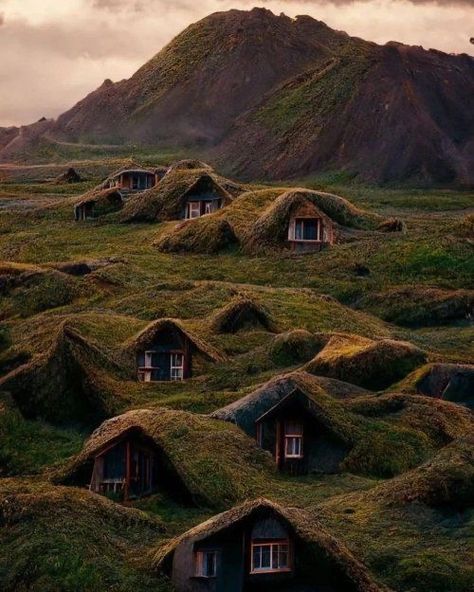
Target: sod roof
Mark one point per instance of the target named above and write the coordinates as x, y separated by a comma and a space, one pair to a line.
150, 333
208, 234
66, 382
384, 435
102, 198
452, 382
322, 551
167, 200
64, 538
242, 313
271, 228
215, 461
365, 362
447, 479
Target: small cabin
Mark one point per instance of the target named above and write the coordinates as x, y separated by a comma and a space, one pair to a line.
123, 460
309, 229
104, 202
126, 469
205, 196
132, 180
298, 441
258, 554
168, 357
285, 421
166, 352
262, 547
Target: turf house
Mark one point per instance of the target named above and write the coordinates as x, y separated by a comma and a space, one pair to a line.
205, 196
165, 351
261, 546
285, 421
309, 229
132, 180
98, 204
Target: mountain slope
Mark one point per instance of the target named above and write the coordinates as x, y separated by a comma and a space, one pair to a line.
273, 97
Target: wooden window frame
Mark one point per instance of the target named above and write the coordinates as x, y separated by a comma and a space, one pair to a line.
271, 543
293, 435
199, 563
176, 367
292, 230
196, 205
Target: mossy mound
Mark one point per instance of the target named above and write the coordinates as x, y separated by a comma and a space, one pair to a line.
67, 382
294, 347
189, 164
383, 436
452, 382
441, 421
166, 201
28, 289
208, 234
215, 461
242, 313
415, 305
69, 176
445, 480
371, 364
270, 230
59, 538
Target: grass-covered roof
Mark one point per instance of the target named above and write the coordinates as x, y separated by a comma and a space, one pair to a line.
327, 556
166, 201
373, 364
215, 461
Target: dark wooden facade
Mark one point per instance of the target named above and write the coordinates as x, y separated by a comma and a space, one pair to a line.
298, 441
133, 180
259, 555
204, 197
169, 357
126, 469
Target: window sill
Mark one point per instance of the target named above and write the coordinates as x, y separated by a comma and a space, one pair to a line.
270, 571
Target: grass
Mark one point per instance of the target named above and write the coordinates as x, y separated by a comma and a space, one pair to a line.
410, 547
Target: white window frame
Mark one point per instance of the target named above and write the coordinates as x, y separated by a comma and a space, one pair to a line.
294, 446
293, 440
277, 546
176, 366
192, 208
292, 230
200, 563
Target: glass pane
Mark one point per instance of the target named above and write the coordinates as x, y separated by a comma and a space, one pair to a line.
256, 557
283, 557
274, 556
298, 229
310, 227
266, 557
210, 564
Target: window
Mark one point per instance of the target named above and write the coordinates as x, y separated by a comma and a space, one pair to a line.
293, 439
270, 556
208, 207
193, 210
205, 564
305, 229
177, 367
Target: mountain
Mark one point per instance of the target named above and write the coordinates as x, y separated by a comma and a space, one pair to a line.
274, 97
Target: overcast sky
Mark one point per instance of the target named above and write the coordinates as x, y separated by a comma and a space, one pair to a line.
53, 52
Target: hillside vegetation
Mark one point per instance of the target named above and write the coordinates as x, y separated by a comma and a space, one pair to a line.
376, 329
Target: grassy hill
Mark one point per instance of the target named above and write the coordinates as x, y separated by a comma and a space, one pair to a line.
368, 320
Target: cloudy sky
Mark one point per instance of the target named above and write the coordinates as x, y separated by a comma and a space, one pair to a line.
53, 52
